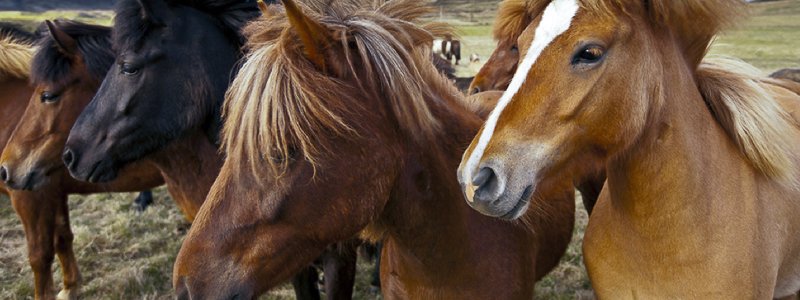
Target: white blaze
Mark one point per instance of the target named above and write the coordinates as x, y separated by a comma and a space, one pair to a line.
556, 19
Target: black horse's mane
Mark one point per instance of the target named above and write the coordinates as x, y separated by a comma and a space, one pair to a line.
16, 32
131, 25
52, 66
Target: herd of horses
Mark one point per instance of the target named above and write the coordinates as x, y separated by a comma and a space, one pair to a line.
290, 132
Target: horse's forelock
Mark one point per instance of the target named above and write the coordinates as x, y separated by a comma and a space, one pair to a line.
131, 26
280, 103
51, 66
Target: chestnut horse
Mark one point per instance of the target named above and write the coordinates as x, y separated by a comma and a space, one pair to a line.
512, 18
339, 124
161, 102
44, 212
702, 198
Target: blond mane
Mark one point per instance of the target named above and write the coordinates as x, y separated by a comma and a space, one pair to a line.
513, 16
15, 58
751, 116
279, 105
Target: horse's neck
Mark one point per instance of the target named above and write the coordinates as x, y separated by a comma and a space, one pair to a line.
681, 196
432, 209
189, 165
682, 187
16, 94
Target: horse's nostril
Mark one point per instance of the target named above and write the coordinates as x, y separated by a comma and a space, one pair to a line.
68, 158
476, 90
482, 177
4, 174
489, 188
486, 184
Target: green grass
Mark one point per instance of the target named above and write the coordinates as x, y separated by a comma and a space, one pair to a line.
125, 255
32, 19
770, 39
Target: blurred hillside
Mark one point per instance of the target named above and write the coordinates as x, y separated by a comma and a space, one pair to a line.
41, 5
466, 9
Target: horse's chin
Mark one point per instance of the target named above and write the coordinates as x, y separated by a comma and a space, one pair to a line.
98, 172
34, 179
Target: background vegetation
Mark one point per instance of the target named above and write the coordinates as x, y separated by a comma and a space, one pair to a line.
128, 255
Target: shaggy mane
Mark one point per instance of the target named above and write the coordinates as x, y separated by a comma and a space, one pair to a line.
513, 16
16, 32
751, 116
16, 51
51, 66
280, 104
130, 26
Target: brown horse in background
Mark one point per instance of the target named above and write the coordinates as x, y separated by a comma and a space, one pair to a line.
44, 212
703, 197
512, 18
161, 102
339, 124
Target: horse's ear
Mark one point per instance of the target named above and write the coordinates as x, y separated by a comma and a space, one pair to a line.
66, 44
316, 38
269, 8
151, 11
264, 8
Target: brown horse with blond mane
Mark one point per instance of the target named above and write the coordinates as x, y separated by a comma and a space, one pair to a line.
339, 124
702, 197
40, 196
512, 18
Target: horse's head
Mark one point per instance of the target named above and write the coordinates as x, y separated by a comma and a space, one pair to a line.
173, 65
67, 68
495, 75
317, 126
589, 79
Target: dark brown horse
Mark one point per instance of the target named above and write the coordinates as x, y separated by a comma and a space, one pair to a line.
339, 124
35, 113
788, 74
161, 102
448, 47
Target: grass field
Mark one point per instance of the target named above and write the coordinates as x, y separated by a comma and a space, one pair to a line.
126, 255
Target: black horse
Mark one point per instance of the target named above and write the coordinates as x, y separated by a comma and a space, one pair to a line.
162, 99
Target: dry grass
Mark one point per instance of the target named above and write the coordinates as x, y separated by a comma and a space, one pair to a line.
122, 254
125, 255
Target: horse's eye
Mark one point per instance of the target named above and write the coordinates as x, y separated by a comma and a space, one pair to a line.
129, 69
514, 48
48, 97
588, 55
